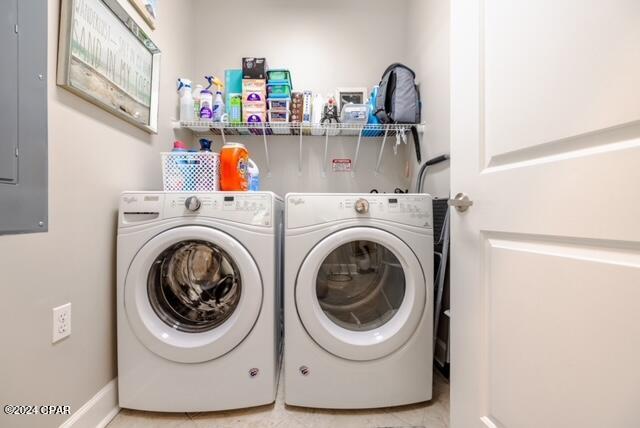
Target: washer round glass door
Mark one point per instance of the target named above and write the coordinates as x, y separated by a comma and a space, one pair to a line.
192, 294
361, 293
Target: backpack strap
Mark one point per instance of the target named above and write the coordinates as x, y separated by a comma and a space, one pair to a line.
381, 100
416, 142
382, 115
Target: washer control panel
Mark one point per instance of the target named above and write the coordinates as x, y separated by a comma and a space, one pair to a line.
311, 209
251, 208
248, 208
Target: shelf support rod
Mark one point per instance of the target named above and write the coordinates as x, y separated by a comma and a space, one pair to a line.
300, 152
266, 150
355, 156
224, 138
326, 154
384, 141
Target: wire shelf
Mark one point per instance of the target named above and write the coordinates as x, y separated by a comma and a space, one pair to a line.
294, 128
401, 132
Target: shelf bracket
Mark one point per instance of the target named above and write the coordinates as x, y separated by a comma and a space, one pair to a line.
300, 154
266, 151
326, 154
384, 141
355, 156
224, 137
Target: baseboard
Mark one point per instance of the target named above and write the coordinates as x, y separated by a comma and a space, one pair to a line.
98, 411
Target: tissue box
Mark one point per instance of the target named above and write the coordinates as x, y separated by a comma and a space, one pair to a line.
254, 68
254, 85
254, 98
254, 92
254, 115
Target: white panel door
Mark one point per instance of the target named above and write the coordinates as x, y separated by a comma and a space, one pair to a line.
545, 274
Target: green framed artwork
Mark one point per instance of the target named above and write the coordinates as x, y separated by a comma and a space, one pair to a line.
106, 58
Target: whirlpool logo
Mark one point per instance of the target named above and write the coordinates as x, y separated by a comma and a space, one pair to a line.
296, 201
129, 199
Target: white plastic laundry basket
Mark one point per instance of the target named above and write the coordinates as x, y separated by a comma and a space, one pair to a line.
191, 171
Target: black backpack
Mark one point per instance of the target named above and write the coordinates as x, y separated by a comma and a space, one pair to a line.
398, 100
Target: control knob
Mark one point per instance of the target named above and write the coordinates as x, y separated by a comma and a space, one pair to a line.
192, 203
362, 206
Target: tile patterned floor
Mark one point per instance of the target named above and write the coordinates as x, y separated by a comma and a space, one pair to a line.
432, 414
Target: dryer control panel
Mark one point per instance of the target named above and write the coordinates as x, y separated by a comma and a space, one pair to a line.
310, 209
251, 208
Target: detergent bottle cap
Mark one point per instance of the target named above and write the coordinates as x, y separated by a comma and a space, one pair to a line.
179, 146
233, 145
205, 145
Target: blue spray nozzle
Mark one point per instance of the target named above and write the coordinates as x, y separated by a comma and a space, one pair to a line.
183, 83
210, 80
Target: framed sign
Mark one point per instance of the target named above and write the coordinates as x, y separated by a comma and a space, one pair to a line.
106, 58
148, 9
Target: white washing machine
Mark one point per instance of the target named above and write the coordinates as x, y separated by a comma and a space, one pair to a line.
198, 300
358, 300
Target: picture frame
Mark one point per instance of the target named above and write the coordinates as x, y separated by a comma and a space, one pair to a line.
148, 9
107, 59
350, 95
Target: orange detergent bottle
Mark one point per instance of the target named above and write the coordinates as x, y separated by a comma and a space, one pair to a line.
234, 158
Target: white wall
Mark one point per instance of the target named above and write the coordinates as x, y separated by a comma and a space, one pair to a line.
93, 156
428, 44
328, 44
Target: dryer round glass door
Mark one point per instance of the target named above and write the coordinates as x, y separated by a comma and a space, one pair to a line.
361, 293
360, 285
192, 294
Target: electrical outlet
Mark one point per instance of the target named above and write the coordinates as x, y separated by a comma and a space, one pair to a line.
61, 322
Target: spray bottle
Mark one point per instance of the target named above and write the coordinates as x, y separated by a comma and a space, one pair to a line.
218, 103
196, 101
186, 100
206, 101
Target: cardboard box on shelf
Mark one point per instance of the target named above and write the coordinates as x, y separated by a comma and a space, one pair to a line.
254, 97
255, 106
254, 68
254, 114
297, 106
254, 85
279, 104
278, 116
254, 91
232, 83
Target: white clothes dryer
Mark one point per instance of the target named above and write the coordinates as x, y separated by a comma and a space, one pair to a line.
358, 300
198, 298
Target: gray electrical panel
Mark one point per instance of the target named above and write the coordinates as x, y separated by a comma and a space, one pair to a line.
23, 116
